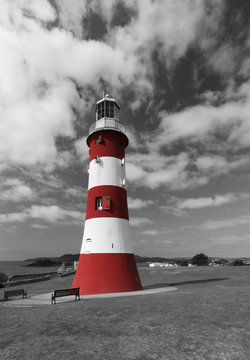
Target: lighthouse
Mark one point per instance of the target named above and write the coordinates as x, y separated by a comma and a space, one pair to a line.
107, 263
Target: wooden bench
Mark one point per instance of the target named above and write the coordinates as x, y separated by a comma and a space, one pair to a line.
65, 292
16, 292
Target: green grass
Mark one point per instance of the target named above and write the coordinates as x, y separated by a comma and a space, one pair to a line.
203, 319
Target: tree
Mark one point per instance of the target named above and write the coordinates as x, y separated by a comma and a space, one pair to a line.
200, 260
3, 278
182, 262
238, 262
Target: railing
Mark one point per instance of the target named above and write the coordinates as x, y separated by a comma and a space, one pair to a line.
107, 124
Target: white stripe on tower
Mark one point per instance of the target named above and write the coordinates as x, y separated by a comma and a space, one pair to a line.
107, 170
114, 232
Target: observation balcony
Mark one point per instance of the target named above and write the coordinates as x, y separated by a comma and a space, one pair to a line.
107, 124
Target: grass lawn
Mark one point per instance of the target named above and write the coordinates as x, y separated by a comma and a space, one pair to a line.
206, 318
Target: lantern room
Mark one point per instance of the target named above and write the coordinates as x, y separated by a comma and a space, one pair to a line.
107, 115
107, 108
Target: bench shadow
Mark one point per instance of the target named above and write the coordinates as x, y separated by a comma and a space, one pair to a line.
202, 281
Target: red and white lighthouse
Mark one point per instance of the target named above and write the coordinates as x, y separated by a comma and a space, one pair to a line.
107, 263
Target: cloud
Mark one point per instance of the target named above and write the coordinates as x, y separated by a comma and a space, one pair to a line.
198, 203
39, 226
46, 73
180, 206
52, 214
155, 232
39, 73
138, 221
153, 170
71, 17
148, 28
14, 190
229, 239
217, 224
174, 210
212, 224
135, 203
152, 232
75, 192
82, 150
215, 139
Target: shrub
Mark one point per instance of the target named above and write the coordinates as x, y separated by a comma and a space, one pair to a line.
238, 262
3, 278
182, 262
200, 260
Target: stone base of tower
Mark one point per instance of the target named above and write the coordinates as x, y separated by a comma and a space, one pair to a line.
106, 273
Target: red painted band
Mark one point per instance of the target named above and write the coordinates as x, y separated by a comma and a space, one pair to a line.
118, 202
106, 273
107, 143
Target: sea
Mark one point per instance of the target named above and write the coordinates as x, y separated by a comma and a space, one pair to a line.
11, 268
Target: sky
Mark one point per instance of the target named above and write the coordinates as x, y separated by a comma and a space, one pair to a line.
180, 71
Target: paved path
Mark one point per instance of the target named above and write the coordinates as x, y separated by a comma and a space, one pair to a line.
45, 299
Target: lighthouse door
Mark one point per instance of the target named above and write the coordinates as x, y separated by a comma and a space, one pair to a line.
88, 246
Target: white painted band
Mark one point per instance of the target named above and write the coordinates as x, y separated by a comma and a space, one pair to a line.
106, 235
106, 170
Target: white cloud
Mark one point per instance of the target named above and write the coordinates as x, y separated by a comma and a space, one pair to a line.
39, 226
198, 203
14, 190
71, 17
180, 207
171, 26
153, 232
215, 139
40, 66
36, 89
138, 221
153, 170
82, 150
135, 203
204, 123
36, 64
212, 224
75, 192
52, 214
217, 224
228, 239
174, 210
42, 11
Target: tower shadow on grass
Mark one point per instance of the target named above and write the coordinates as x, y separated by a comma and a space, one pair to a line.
202, 281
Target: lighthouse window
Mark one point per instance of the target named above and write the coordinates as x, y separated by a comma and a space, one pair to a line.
99, 203
100, 111
109, 110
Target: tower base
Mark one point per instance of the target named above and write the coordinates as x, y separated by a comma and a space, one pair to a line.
106, 273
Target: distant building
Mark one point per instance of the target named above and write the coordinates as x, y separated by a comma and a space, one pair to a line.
161, 265
62, 269
65, 268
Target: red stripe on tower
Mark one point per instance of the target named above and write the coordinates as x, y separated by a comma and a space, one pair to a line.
107, 263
